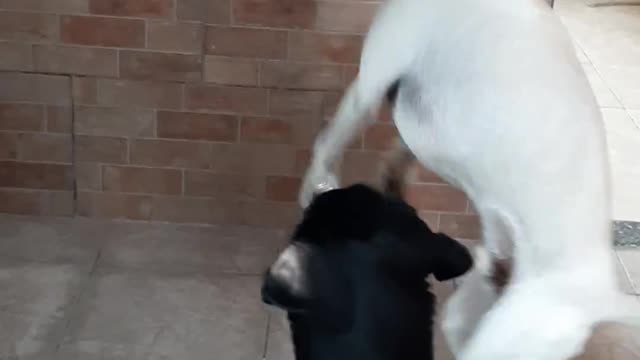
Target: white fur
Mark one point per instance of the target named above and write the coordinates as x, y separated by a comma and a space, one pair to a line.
493, 99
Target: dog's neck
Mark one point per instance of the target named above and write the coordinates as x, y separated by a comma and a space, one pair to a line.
387, 325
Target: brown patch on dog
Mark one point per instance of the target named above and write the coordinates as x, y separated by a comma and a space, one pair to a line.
395, 170
501, 274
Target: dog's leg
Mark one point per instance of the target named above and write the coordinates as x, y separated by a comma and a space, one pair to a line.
470, 302
389, 50
525, 326
396, 169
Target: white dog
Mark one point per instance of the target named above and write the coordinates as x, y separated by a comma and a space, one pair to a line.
492, 98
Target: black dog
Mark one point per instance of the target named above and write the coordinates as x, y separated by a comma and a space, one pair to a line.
353, 278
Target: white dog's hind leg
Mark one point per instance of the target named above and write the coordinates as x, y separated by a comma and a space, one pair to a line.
469, 303
525, 326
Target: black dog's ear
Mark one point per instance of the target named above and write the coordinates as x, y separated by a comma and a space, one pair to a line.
450, 258
286, 283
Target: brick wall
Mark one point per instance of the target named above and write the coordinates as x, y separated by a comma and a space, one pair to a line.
197, 111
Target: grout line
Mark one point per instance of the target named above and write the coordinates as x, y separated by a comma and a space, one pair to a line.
630, 280
266, 336
74, 164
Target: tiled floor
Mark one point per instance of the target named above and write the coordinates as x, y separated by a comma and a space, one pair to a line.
607, 37
87, 290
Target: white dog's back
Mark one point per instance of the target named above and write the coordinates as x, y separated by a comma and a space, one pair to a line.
492, 98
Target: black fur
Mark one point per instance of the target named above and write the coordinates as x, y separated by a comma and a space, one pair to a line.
366, 259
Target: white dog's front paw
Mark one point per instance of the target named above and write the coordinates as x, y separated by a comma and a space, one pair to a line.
316, 182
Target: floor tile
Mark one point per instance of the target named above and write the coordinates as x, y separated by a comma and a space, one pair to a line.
49, 239
223, 249
34, 301
150, 315
630, 259
625, 83
623, 139
601, 90
623, 277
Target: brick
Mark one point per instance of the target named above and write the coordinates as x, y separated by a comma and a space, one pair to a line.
85, 90
361, 166
352, 17
432, 219
286, 75
19, 201
136, 8
461, 226
88, 176
29, 27
380, 136
176, 37
296, 103
275, 13
207, 11
36, 175
241, 100
170, 153
325, 48
427, 176
231, 71
56, 203
142, 180
436, 198
102, 31
48, 89
75, 60
277, 131
54, 6
8, 145
106, 121
101, 149
16, 56
266, 130
196, 210
144, 94
58, 119
145, 65
21, 117
350, 74
283, 188
270, 214
114, 206
44, 147
302, 161
233, 186
246, 42
195, 126
261, 159
36, 202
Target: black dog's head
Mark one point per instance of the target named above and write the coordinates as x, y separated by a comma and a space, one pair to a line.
357, 251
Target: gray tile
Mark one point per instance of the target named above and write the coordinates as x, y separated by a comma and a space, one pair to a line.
623, 278
626, 233
49, 239
631, 261
34, 302
601, 90
150, 315
222, 249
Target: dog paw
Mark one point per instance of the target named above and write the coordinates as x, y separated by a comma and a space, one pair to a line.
316, 182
